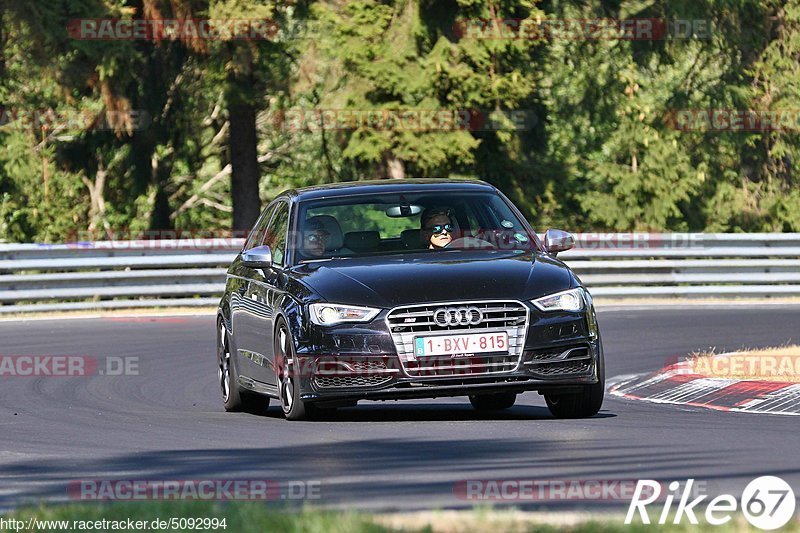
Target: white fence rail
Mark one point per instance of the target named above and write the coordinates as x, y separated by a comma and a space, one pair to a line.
128, 274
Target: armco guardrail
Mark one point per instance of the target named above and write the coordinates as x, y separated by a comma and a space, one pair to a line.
114, 274
152, 273
618, 265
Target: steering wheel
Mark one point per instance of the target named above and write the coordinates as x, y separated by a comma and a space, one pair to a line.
471, 243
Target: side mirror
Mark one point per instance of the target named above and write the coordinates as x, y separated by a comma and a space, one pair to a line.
556, 240
258, 257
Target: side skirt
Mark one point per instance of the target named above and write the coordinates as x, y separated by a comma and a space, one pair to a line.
258, 387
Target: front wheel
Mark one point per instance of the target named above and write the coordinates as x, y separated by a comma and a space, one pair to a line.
287, 376
493, 402
583, 404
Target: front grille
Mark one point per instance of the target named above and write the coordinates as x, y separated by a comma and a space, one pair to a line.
561, 361
406, 323
344, 382
446, 366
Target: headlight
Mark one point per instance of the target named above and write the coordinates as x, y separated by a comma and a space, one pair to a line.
591, 317
324, 314
571, 300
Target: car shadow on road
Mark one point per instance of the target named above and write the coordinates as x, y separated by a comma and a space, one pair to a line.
434, 412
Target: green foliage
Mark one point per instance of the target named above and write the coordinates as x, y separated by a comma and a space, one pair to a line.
600, 150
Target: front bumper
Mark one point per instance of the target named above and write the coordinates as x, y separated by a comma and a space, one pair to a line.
560, 353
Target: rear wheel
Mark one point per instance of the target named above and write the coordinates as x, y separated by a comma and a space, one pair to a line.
583, 404
493, 402
234, 398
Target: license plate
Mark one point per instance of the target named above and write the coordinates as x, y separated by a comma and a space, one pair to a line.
461, 344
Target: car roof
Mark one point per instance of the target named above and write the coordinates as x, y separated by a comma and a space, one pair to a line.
350, 188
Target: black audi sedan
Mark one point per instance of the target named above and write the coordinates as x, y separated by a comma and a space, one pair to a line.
398, 289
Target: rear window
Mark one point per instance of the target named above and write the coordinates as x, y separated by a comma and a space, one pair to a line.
367, 217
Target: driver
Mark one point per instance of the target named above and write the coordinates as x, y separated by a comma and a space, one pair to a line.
437, 227
315, 238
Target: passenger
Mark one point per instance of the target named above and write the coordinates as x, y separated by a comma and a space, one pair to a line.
437, 228
315, 238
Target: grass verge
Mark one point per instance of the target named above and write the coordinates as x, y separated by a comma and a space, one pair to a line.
256, 517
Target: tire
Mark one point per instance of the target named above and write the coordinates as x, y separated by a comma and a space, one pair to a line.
233, 397
584, 404
285, 369
493, 402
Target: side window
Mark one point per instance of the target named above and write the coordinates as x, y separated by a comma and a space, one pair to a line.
276, 234
256, 237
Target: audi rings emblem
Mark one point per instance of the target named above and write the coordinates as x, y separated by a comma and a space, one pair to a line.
457, 316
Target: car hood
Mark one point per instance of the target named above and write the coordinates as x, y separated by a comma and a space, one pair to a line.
389, 281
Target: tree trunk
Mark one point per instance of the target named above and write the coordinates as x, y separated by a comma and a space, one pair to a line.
244, 166
2, 41
393, 168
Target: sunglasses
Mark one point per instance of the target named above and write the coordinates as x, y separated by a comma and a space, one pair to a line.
316, 237
441, 228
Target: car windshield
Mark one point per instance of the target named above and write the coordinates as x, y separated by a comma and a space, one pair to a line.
407, 223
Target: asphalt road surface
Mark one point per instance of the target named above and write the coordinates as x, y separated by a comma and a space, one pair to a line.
166, 421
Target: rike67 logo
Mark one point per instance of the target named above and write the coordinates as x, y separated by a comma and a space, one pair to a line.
767, 502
